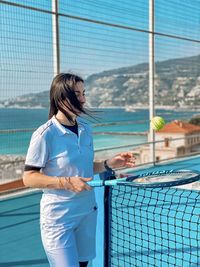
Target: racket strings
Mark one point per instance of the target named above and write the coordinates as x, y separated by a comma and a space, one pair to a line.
164, 177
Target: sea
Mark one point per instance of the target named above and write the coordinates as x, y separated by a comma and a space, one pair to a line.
111, 126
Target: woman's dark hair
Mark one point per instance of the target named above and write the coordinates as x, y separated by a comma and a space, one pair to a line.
63, 97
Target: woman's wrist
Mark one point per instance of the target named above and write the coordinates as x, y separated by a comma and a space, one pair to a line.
106, 165
63, 182
60, 183
67, 183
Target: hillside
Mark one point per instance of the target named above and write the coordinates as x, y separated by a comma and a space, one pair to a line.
177, 84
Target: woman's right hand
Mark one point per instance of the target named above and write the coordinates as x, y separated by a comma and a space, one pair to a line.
75, 184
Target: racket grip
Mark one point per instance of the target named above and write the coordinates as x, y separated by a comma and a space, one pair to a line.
95, 183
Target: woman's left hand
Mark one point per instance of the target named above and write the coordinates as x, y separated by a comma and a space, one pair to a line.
125, 159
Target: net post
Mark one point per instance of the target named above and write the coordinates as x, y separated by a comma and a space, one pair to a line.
108, 175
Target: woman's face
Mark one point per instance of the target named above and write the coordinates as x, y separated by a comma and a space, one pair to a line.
80, 93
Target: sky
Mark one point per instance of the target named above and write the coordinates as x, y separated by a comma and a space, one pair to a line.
86, 48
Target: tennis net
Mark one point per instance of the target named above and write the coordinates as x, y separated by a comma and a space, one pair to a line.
152, 227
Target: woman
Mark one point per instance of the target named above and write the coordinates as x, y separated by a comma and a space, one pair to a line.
60, 160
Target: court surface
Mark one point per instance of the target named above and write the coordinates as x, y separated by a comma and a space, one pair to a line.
20, 242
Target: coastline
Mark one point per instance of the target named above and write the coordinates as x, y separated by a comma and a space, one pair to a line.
134, 106
117, 128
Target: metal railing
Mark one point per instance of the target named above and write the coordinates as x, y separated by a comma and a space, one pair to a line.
11, 166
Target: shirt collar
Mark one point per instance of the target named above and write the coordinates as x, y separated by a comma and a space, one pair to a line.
62, 130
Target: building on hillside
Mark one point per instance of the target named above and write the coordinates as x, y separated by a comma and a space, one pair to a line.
187, 141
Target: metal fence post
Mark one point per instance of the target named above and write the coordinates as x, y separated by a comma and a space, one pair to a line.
151, 79
56, 40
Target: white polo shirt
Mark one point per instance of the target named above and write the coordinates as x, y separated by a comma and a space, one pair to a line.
60, 152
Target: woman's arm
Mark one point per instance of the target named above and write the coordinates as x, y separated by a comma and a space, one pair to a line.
36, 179
39, 180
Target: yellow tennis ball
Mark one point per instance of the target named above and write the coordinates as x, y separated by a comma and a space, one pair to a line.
157, 123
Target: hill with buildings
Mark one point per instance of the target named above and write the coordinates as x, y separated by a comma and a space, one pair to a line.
177, 83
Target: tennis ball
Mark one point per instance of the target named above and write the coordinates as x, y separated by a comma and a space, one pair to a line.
157, 123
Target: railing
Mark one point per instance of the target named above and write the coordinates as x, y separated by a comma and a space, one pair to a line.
11, 166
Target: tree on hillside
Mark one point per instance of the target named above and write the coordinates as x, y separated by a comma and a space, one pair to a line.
195, 120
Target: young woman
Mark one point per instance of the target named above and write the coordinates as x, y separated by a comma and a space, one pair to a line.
60, 160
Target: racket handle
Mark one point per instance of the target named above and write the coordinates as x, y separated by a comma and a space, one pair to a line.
95, 183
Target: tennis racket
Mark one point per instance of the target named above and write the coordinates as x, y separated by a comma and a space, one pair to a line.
154, 179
